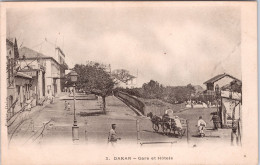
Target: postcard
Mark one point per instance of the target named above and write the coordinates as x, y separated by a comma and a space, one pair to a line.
129, 83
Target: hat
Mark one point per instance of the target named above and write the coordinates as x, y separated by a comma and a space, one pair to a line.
113, 124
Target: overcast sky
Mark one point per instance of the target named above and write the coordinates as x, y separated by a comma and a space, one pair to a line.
172, 45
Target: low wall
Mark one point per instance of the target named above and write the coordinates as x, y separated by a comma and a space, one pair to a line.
132, 101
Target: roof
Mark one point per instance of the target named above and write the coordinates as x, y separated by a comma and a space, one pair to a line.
32, 55
229, 86
220, 76
20, 74
10, 41
131, 76
29, 53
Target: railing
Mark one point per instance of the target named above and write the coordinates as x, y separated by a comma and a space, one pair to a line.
132, 101
15, 113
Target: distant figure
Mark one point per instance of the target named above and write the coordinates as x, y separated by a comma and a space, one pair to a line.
178, 122
234, 133
66, 105
112, 136
201, 125
52, 99
216, 120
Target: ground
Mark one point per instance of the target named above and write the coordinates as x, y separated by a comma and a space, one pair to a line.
53, 125
158, 107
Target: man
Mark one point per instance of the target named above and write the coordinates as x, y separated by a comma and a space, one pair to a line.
112, 136
234, 132
66, 105
216, 120
201, 126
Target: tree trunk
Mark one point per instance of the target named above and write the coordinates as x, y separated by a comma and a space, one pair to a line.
104, 104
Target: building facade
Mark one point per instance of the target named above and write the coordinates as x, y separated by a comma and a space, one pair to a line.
18, 83
48, 72
229, 99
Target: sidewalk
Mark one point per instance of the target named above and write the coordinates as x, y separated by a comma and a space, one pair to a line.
23, 125
78, 96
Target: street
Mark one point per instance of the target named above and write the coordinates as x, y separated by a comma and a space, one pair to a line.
53, 125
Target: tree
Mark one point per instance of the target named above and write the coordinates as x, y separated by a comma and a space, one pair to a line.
94, 78
153, 89
122, 75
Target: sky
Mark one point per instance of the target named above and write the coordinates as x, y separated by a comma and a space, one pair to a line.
174, 45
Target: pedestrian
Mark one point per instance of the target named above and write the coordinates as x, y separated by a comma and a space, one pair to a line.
66, 105
234, 133
201, 126
112, 136
216, 120
52, 99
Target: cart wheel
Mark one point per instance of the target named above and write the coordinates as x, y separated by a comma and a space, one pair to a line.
181, 133
166, 130
155, 127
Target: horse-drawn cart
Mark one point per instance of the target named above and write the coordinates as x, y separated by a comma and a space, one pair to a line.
169, 123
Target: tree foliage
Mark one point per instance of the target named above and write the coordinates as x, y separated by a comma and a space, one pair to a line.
122, 75
94, 78
155, 90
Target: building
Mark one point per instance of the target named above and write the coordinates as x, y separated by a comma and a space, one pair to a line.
220, 80
18, 83
49, 71
230, 98
63, 66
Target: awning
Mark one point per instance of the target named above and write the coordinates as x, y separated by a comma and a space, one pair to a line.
23, 75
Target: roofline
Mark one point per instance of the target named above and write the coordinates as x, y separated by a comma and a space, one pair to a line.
28, 70
223, 75
20, 74
34, 58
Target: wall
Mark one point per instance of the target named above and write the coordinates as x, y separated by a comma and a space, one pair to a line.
48, 79
134, 102
10, 80
55, 72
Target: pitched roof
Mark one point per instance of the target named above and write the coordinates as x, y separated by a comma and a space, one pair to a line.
29, 53
220, 76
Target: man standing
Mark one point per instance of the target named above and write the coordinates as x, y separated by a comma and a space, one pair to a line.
234, 132
66, 105
216, 120
112, 136
201, 126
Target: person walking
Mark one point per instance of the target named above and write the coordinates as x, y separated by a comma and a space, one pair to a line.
112, 136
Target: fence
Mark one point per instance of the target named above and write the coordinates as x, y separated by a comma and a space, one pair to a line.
131, 101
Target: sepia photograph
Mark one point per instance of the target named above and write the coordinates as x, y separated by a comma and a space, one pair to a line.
129, 82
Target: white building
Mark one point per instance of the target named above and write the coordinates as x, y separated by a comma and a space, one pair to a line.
50, 79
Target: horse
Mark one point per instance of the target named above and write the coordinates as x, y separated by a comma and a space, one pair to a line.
156, 121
